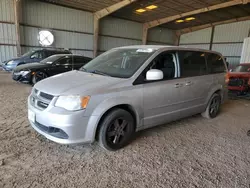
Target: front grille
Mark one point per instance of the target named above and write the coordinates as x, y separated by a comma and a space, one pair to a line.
40, 100
46, 96
236, 82
58, 133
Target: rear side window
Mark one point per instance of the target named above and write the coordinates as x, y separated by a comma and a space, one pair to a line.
192, 63
215, 64
81, 60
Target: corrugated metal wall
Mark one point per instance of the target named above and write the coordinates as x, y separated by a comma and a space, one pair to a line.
228, 39
7, 31
73, 29
116, 32
245, 55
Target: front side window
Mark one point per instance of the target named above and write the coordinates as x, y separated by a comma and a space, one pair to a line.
215, 64
121, 63
192, 63
65, 61
166, 62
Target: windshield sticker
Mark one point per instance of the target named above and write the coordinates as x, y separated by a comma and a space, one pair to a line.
149, 50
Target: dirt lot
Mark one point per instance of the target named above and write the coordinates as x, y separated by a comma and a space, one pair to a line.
193, 152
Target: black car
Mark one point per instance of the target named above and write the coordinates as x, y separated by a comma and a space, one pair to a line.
56, 64
30, 57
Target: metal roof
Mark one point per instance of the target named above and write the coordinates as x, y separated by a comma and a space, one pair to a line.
165, 8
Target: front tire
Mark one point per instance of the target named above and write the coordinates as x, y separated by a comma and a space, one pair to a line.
116, 130
213, 107
38, 76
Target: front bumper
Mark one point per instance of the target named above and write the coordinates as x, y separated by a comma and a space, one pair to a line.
21, 78
238, 88
62, 126
8, 68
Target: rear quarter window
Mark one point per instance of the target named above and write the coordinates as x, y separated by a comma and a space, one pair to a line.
215, 64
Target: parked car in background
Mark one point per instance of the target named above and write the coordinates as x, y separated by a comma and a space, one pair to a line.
30, 57
55, 64
239, 79
125, 90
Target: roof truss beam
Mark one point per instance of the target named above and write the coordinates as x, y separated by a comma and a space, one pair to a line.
198, 11
196, 28
161, 21
109, 10
102, 13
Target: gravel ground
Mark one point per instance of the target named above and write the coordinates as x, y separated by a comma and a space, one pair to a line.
193, 152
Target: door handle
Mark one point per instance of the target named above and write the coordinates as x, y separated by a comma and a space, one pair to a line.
189, 83
178, 85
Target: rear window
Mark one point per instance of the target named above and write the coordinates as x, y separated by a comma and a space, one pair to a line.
215, 64
192, 63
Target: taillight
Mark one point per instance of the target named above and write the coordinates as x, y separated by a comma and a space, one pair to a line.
227, 78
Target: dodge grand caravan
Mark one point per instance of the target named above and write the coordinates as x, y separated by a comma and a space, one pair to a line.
125, 90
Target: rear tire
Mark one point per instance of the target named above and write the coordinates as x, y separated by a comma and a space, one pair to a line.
116, 130
213, 107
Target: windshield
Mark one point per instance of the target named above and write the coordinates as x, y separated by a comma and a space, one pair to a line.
121, 63
28, 53
51, 59
242, 68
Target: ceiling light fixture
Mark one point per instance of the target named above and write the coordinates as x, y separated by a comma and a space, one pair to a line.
190, 18
140, 10
151, 7
179, 21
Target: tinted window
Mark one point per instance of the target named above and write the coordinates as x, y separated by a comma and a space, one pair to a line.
192, 63
81, 60
65, 61
215, 63
37, 55
51, 59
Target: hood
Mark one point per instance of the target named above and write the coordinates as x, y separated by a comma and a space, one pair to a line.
13, 59
239, 74
31, 66
77, 83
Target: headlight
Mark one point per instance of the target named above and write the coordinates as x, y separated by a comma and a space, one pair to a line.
72, 103
11, 62
24, 73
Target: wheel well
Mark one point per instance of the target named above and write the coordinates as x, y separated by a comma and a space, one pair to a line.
20, 63
219, 92
126, 107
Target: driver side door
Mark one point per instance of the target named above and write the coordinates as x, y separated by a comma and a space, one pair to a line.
62, 65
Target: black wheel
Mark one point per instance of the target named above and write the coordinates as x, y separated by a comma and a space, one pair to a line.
116, 130
213, 107
38, 76
248, 133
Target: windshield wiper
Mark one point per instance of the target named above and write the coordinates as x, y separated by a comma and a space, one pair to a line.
100, 73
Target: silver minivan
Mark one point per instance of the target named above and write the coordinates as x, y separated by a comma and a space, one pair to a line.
125, 90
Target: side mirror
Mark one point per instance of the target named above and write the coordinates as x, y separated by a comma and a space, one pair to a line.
32, 57
154, 74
